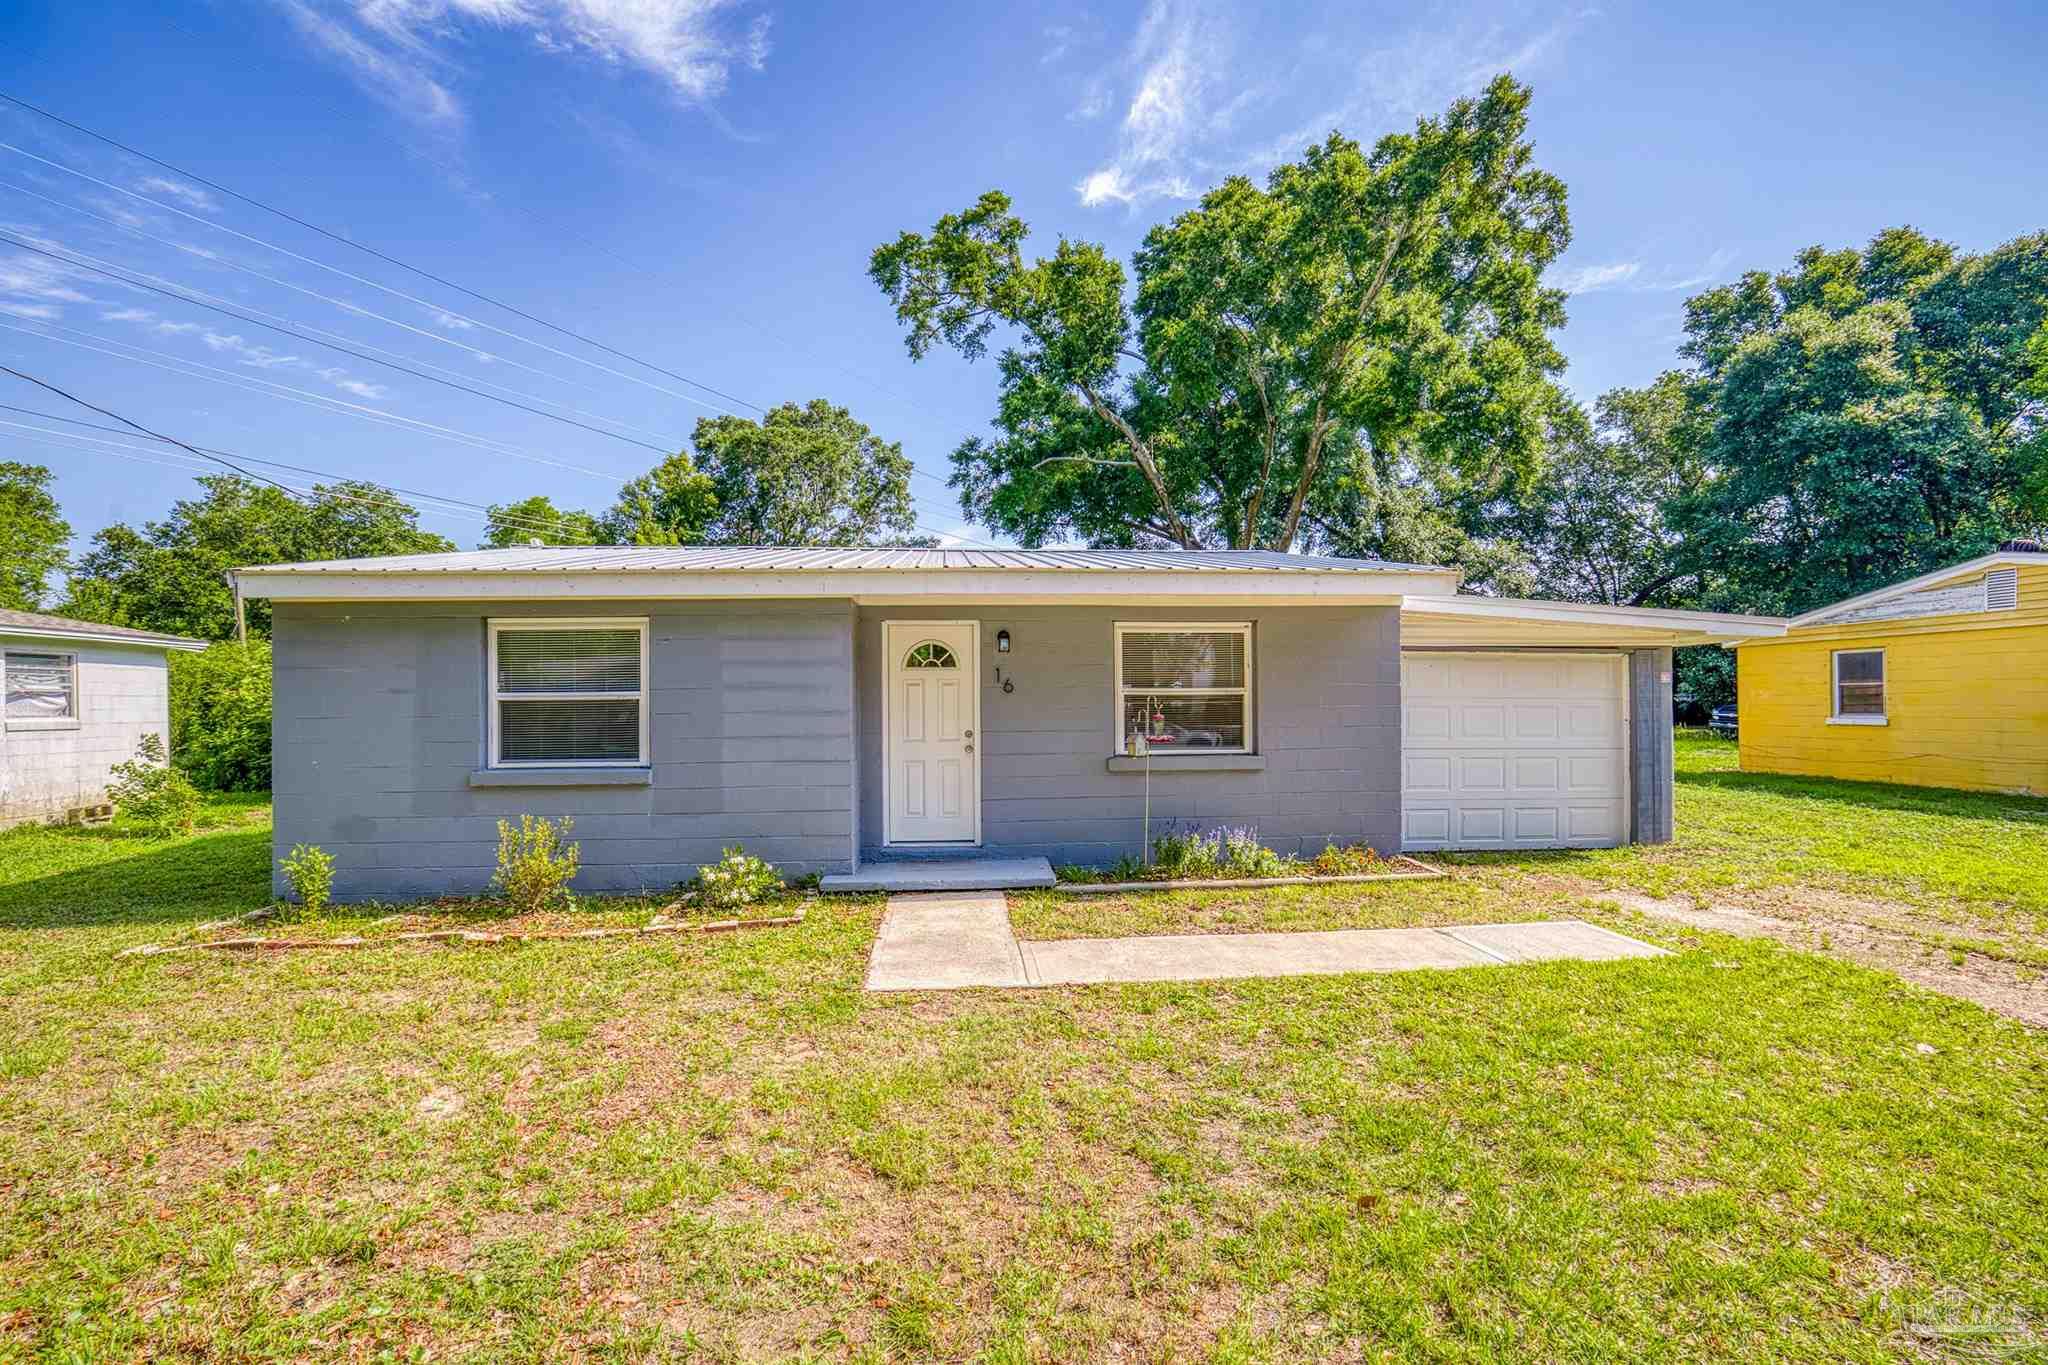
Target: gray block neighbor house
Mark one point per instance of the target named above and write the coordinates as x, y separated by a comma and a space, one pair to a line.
831, 708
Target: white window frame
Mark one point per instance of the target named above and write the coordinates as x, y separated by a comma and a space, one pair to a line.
1835, 716
70, 722
499, 625
1118, 697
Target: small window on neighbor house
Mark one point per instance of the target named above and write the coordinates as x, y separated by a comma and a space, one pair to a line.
1859, 684
40, 687
2002, 590
568, 693
1185, 687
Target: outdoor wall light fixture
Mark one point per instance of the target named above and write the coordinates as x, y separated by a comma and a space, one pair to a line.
1002, 642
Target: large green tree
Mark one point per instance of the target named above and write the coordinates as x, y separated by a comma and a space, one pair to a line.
1866, 415
1595, 523
808, 475
172, 574
804, 474
536, 518
1294, 360
32, 535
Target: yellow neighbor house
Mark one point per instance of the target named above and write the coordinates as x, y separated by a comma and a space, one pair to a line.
1940, 681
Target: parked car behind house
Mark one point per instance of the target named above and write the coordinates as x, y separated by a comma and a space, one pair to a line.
1723, 721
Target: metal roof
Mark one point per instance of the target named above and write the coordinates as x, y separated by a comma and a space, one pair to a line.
759, 559
64, 628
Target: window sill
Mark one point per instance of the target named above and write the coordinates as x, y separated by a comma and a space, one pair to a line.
1187, 763
1859, 720
562, 777
31, 724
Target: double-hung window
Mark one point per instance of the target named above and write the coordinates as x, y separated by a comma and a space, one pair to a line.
41, 690
568, 693
1859, 687
1185, 686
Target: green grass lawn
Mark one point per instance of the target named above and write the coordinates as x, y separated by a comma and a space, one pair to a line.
720, 1148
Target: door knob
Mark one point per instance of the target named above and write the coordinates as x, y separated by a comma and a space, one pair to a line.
969, 733
970, 748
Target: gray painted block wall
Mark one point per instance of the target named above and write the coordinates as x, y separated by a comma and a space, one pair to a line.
379, 722
1652, 772
1327, 703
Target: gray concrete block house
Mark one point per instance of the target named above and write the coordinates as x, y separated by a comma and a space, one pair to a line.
835, 708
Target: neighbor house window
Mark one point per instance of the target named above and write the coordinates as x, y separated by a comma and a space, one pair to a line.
568, 693
1859, 686
1184, 687
42, 689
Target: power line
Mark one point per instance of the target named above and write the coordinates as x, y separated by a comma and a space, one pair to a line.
370, 250
345, 306
333, 346
445, 502
319, 402
373, 284
154, 435
348, 241
185, 369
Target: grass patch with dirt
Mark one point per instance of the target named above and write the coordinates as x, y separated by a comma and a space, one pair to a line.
720, 1147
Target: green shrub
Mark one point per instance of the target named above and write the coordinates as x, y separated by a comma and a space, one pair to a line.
149, 791
535, 863
738, 878
1355, 860
1184, 853
309, 871
1244, 856
220, 715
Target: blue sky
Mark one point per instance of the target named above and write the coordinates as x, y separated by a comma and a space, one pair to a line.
698, 184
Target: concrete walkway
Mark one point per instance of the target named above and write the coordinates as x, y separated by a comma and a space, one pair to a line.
949, 941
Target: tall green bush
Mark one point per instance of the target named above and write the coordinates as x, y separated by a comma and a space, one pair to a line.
220, 715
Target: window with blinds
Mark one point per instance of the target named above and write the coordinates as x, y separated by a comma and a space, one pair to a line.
39, 687
1859, 684
568, 693
1185, 687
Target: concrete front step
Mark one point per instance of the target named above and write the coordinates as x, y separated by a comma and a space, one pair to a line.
944, 874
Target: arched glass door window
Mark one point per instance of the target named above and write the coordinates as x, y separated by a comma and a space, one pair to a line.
930, 654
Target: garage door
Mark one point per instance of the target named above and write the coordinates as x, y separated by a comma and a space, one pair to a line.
1513, 750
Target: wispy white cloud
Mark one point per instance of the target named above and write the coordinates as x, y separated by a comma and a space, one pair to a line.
452, 323
758, 46
1587, 279
1199, 105
244, 351
402, 79
361, 388
1177, 64
189, 195
1059, 40
404, 52
38, 279
40, 312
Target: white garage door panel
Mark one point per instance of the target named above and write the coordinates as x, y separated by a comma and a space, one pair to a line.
1513, 751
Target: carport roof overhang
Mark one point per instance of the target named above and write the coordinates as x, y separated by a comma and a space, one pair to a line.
1446, 622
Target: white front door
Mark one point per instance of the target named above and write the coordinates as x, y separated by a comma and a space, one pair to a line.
932, 773
1513, 750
